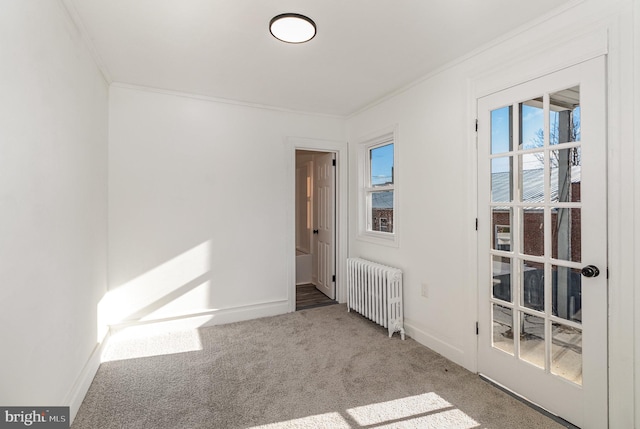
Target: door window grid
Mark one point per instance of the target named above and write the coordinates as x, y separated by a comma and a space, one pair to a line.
516, 304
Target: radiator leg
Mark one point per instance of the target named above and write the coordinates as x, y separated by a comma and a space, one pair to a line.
396, 327
400, 331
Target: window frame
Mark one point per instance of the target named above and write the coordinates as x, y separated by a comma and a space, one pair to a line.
366, 188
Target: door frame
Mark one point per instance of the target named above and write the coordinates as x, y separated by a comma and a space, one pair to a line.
549, 57
341, 221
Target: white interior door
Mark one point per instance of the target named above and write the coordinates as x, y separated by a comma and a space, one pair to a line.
324, 221
541, 237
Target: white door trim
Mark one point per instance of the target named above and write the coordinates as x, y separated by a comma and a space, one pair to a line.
342, 221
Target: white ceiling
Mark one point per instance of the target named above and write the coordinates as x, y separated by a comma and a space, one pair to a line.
364, 49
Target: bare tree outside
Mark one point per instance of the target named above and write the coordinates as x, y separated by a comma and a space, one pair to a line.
573, 129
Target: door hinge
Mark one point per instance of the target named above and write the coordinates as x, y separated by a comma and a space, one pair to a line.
476, 125
333, 162
476, 224
477, 329
333, 278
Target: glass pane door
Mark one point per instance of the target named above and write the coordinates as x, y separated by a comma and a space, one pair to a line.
535, 213
541, 184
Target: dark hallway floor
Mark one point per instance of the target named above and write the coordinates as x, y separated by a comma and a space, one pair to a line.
307, 296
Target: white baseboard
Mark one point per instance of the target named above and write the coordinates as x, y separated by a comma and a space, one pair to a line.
436, 344
248, 312
205, 318
83, 382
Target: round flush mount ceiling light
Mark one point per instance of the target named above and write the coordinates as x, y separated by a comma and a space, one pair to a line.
292, 28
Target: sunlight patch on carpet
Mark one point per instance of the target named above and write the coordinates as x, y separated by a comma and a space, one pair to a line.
132, 344
327, 420
451, 419
428, 410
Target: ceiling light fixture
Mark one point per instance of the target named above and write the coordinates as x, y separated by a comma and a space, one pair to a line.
292, 28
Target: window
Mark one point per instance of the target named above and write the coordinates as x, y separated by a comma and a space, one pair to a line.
378, 202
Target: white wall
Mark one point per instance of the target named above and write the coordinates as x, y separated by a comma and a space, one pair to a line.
53, 216
199, 205
198, 190
432, 223
436, 170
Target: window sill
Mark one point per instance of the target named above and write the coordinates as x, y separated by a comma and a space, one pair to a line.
382, 238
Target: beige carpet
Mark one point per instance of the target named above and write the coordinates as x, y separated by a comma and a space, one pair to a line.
317, 368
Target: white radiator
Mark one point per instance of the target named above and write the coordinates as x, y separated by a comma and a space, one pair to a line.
375, 291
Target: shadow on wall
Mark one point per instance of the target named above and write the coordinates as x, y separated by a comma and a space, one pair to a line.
178, 287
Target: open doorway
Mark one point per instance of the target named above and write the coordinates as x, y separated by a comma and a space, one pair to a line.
339, 150
315, 228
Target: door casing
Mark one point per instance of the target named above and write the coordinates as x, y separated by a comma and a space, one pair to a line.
340, 149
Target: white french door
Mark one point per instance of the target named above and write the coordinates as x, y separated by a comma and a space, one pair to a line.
542, 241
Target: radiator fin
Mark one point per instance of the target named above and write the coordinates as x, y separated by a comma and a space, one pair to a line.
375, 291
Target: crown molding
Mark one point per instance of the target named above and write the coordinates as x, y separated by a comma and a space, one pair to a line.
220, 100
74, 17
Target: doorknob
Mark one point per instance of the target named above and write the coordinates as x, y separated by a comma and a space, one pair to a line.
590, 271
315, 231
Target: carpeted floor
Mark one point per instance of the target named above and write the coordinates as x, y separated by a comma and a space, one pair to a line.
316, 368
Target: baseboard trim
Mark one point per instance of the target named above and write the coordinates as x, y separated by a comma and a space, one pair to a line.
207, 317
248, 312
436, 344
81, 386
